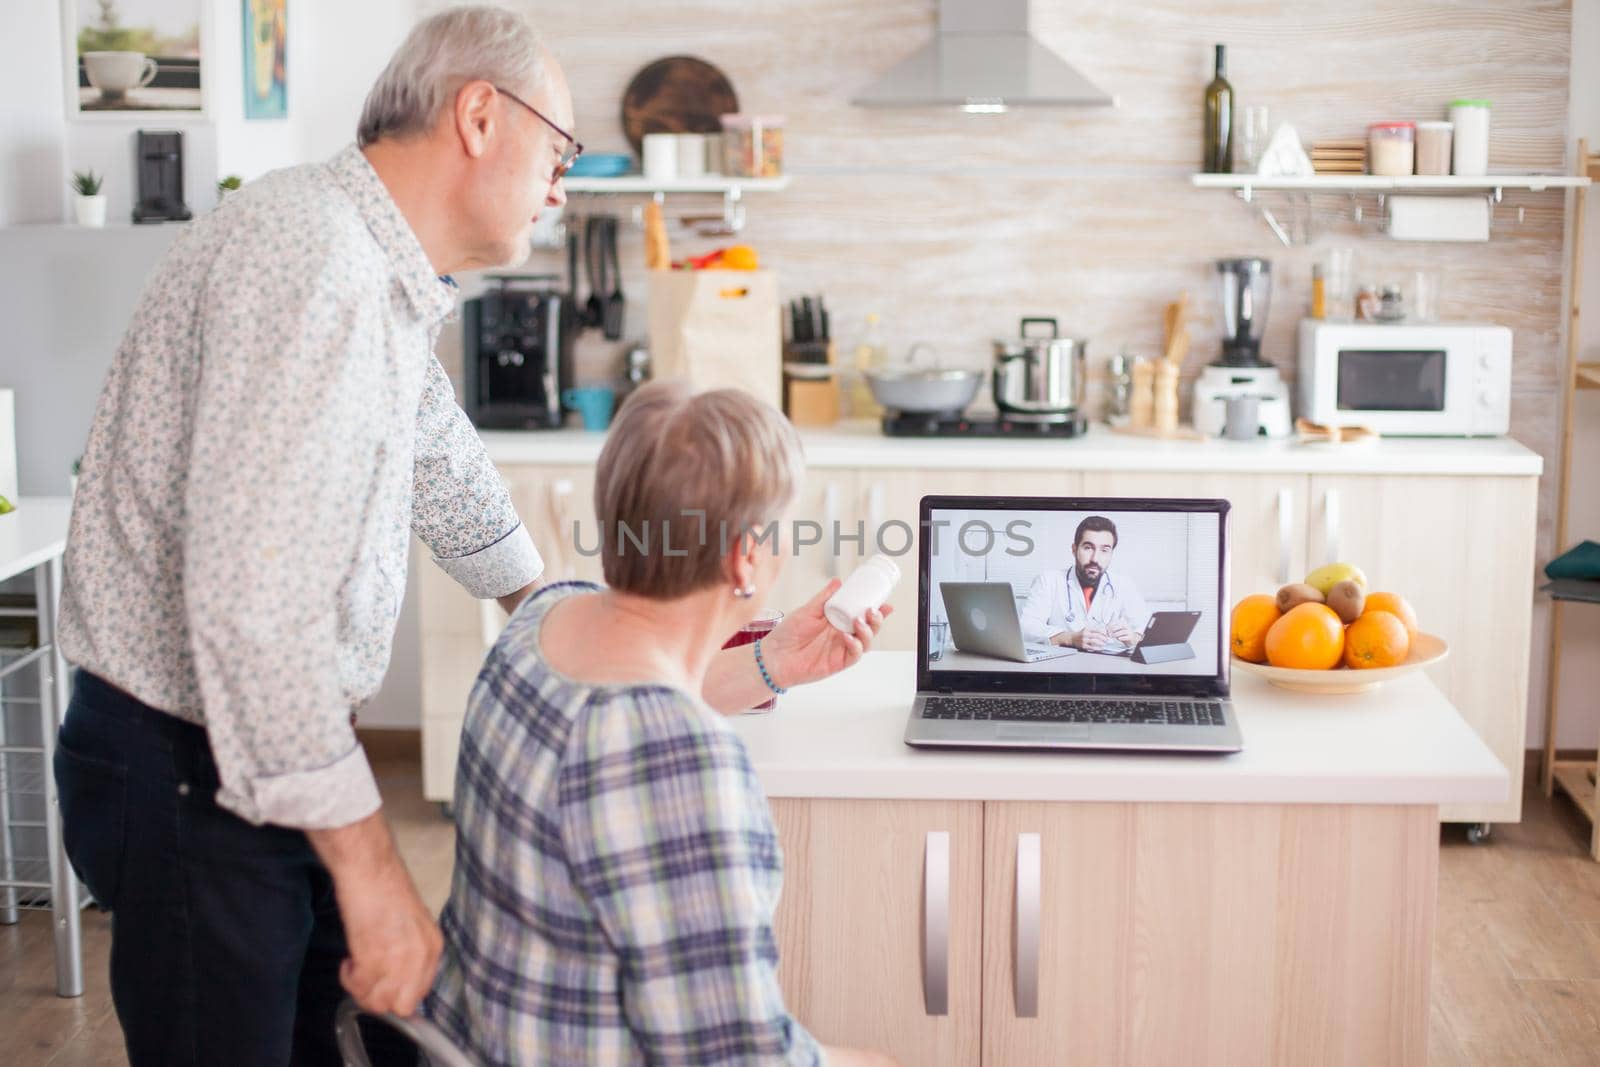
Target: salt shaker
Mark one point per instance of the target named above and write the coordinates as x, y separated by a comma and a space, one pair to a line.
867, 587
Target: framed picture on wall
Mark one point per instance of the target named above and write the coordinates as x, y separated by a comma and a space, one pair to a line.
135, 57
266, 72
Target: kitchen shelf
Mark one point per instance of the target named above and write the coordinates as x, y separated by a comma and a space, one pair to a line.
638, 183
731, 190
1298, 191
1375, 183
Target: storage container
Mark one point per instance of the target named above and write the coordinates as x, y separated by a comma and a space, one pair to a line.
1391, 148
752, 146
1470, 152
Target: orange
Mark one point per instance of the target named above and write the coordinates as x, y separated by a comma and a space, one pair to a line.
1309, 637
1377, 639
1396, 605
1252, 618
739, 257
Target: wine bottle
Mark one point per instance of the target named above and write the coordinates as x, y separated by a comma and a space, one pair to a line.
1217, 133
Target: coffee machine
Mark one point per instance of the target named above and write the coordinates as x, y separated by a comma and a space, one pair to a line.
1245, 286
517, 354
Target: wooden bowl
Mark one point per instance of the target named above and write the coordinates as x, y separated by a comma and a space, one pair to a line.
1426, 650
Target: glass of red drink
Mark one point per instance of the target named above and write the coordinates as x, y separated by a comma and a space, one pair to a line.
758, 627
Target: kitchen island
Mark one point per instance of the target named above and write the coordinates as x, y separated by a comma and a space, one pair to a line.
1275, 905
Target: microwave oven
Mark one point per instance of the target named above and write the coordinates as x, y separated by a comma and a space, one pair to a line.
1445, 379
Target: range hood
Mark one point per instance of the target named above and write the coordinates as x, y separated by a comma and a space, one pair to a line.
983, 59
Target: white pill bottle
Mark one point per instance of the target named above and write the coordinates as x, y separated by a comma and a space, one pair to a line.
868, 586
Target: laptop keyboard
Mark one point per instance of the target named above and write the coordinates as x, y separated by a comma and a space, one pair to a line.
1077, 710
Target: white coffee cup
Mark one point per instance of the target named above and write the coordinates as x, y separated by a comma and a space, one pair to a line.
661, 156
691, 155
114, 73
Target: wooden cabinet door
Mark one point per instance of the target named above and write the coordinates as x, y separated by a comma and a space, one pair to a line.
1461, 549
890, 500
1266, 526
1207, 935
852, 922
557, 505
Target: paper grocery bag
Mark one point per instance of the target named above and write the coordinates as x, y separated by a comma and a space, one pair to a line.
717, 328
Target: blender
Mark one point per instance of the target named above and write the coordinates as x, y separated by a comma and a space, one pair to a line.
1245, 287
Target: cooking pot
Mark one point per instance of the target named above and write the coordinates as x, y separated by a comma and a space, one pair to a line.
1039, 375
923, 390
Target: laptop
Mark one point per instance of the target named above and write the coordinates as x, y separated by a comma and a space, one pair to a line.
983, 621
1169, 562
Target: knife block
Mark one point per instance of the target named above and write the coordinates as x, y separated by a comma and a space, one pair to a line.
810, 401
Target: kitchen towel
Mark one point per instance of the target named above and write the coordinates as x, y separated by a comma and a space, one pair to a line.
718, 329
1439, 218
1580, 561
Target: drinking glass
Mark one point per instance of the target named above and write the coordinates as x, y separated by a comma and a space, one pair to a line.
760, 626
1424, 302
1338, 279
1254, 131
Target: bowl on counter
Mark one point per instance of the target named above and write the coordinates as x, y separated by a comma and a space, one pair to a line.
1426, 650
923, 390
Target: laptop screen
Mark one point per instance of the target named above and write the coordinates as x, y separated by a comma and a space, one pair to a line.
1073, 595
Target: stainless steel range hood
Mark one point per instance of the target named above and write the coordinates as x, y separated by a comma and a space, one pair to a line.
983, 59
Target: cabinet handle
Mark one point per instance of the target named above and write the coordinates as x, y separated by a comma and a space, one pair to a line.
936, 923
830, 523
1285, 535
1027, 977
1330, 519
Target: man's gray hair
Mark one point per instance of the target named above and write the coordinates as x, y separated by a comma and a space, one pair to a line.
442, 53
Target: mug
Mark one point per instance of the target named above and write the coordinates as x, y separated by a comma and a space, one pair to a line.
592, 403
660, 156
114, 73
1243, 420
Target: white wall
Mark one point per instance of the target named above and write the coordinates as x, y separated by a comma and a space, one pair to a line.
1578, 724
33, 148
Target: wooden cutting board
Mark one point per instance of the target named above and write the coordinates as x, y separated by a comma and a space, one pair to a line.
678, 94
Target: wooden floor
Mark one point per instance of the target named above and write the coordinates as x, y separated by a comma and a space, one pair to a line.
1516, 956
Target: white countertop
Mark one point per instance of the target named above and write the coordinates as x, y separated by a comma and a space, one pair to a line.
862, 444
1402, 743
34, 533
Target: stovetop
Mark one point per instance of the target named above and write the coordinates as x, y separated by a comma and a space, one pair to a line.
955, 424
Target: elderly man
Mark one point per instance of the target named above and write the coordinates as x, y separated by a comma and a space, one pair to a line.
273, 428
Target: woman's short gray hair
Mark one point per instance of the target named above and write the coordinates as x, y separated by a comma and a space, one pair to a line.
682, 476
442, 53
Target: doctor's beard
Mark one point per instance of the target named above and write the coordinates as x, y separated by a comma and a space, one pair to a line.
1089, 574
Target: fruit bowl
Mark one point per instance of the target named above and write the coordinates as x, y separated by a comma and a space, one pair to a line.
1426, 650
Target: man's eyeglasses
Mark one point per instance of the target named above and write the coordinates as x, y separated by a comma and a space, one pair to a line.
573, 150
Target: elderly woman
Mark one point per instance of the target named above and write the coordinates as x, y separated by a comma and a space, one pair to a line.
616, 863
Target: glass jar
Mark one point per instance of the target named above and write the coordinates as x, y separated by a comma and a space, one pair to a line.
1433, 147
752, 146
1391, 148
1470, 153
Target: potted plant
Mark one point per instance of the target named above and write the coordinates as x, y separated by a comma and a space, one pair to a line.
77, 469
227, 185
90, 203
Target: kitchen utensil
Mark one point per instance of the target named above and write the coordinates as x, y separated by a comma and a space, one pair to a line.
678, 94
1177, 322
1165, 406
1426, 650
657, 249
1142, 394
594, 308
923, 390
1039, 375
1246, 289
593, 403
1120, 386
616, 305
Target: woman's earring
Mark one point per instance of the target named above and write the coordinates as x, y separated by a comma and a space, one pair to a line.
745, 593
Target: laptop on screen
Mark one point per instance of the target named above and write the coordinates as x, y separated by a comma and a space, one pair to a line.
1051, 622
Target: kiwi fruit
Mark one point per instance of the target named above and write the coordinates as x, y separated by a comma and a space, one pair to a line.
1298, 593
1347, 599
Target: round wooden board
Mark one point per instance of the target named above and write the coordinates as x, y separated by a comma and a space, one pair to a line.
678, 94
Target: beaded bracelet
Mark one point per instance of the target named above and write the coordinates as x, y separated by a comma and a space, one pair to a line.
761, 664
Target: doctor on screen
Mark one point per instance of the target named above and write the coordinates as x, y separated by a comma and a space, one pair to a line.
1086, 606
